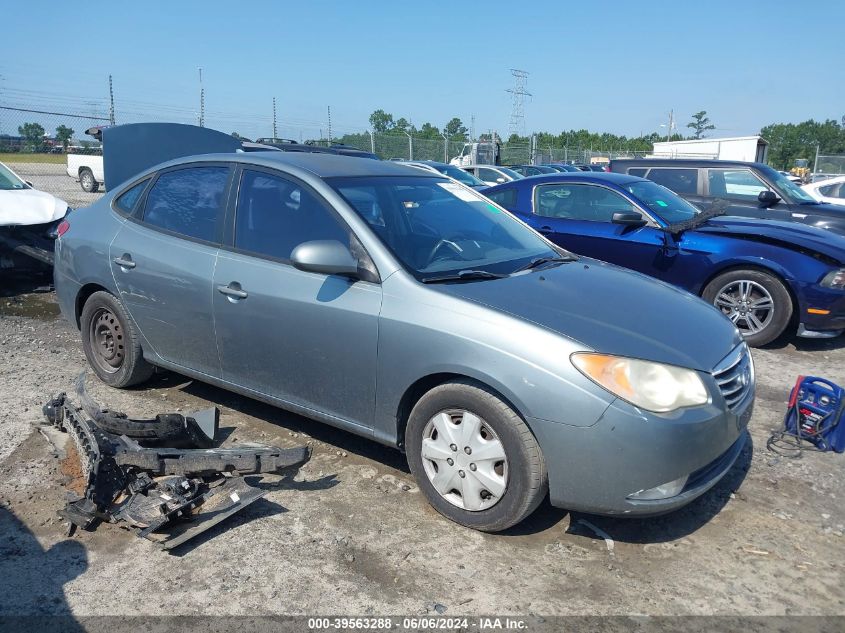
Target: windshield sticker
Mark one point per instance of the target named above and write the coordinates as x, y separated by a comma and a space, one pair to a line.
661, 203
459, 192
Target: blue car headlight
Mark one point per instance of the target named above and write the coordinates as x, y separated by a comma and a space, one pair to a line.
834, 279
647, 385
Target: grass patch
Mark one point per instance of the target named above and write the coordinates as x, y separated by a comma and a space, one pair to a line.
18, 157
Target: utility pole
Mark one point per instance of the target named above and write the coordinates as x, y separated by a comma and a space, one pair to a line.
274, 118
671, 125
445, 147
202, 100
111, 102
372, 141
410, 146
330, 125
518, 94
816, 164
472, 128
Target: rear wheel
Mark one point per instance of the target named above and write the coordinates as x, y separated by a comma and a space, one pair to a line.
474, 458
88, 182
758, 303
111, 342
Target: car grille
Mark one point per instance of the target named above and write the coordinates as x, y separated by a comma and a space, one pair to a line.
735, 376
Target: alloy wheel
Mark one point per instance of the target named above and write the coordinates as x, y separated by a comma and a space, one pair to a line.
464, 460
748, 304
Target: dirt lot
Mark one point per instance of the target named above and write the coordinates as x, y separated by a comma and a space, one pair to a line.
352, 534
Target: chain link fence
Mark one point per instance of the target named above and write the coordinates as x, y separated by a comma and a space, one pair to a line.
829, 166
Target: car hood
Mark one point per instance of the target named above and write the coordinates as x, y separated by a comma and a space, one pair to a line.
29, 206
611, 310
788, 234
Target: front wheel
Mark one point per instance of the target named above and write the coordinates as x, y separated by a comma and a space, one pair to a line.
474, 458
758, 303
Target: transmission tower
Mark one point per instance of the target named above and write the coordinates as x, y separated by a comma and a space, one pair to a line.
518, 94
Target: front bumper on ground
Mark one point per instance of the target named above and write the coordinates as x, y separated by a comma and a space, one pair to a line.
596, 469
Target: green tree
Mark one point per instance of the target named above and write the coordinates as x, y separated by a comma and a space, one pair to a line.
700, 124
381, 121
63, 135
455, 130
33, 135
788, 141
429, 131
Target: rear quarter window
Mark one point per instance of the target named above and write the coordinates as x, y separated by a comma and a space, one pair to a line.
126, 201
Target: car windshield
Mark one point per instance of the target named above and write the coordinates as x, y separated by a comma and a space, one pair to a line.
437, 227
460, 175
665, 204
788, 190
515, 175
9, 181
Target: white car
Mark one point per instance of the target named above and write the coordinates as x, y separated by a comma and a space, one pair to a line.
493, 174
28, 221
830, 190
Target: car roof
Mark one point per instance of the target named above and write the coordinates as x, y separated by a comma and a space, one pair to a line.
684, 162
583, 176
318, 163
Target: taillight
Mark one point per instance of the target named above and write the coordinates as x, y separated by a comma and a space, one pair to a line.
63, 227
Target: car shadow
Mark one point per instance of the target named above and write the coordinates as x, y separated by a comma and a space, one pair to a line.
802, 344
658, 529
32, 579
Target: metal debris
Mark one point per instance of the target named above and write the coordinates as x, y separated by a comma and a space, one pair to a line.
160, 476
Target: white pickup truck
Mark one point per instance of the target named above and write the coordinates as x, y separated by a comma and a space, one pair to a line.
87, 169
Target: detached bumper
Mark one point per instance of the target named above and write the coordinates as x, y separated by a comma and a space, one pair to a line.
596, 469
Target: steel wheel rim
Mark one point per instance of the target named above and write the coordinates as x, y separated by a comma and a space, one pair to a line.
748, 304
106, 337
464, 460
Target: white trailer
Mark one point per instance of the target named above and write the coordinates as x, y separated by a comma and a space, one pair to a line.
744, 148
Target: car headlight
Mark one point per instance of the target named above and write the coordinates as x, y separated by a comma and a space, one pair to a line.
835, 279
651, 386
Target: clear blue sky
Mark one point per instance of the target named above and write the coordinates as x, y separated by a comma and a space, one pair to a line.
603, 65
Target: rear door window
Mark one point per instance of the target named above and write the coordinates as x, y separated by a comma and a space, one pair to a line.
735, 183
188, 201
678, 180
505, 198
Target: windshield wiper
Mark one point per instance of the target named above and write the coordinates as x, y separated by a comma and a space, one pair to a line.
463, 275
539, 261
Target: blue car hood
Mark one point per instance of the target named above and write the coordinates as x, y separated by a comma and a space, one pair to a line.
611, 310
786, 234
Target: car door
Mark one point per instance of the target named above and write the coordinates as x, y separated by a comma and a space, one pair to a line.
163, 261
739, 187
578, 216
299, 337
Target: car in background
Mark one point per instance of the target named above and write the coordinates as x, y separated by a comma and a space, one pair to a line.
744, 189
766, 276
492, 174
87, 169
29, 219
401, 306
533, 170
456, 173
562, 167
591, 167
828, 191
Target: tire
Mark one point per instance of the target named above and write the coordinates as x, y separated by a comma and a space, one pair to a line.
87, 181
758, 325
518, 483
110, 342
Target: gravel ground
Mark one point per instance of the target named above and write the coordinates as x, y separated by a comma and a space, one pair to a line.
352, 534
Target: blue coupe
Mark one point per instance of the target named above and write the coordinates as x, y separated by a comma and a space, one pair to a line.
766, 276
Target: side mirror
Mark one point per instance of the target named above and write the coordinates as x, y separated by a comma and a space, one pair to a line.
767, 198
328, 257
500, 179
29, 183
628, 218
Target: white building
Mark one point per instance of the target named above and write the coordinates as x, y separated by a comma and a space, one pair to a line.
745, 148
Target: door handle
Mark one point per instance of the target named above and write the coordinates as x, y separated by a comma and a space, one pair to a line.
233, 290
124, 261
545, 229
